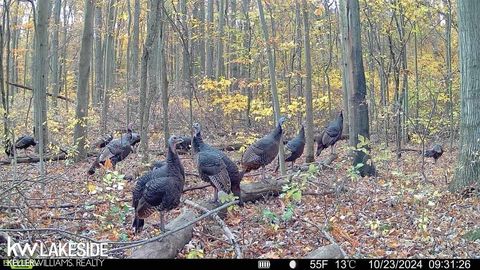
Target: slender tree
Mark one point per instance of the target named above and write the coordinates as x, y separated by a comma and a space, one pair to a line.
468, 162
81, 112
273, 79
54, 61
308, 86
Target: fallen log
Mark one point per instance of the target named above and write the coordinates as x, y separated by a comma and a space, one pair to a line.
169, 246
332, 251
61, 156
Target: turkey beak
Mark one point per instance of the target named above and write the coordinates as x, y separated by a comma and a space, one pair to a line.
179, 140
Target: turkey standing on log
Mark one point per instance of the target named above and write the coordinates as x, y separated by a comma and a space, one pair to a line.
263, 151
330, 135
435, 153
116, 150
159, 189
23, 142
294, 147
215, 167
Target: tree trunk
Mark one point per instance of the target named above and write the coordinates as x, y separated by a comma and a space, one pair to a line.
209, 27
344, 66
448, 45
273, 79
356, 77
308, 87
40, 81
221, 26
99, 80
109, 63
468, 164
55, 78
81, 112
147, 67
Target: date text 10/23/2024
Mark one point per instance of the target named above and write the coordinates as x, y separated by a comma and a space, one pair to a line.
395, 264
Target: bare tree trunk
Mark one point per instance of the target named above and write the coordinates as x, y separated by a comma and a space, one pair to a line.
221, 31
40, 81
201, 32
55, 78
99, 80
81, 112
2, 87
467, 169
308, 87
209, 27
147, 67
356, 77
273, 80
344, 67
448, 43
109, 63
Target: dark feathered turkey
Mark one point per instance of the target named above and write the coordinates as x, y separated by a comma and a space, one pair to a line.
186, 144
158, 164
116, 150
159, 189
104, 140
435, 153
263, 151
330, 135
215, 167
23, 142
294, 147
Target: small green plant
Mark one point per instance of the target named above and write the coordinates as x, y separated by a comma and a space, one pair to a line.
195, 254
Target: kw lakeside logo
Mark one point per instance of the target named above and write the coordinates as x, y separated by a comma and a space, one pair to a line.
68, 254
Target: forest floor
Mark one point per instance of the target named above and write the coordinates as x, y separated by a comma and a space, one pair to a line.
397, 214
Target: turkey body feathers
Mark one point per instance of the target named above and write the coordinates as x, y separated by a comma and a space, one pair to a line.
159, 189
331, 134
263, 151
436, 152
294, 148
234, 175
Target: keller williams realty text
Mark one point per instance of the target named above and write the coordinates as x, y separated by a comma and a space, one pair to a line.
29, 263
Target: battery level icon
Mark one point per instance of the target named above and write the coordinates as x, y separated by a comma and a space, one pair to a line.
263, 264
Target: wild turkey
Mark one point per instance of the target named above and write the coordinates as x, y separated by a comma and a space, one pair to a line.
330, 135
215, 167
116, 150
186, 144
103, 141
294, 147
159, 189
263, 151
23, 142
158, 164
435, 153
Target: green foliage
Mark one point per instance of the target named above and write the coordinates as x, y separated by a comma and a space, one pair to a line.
195, 254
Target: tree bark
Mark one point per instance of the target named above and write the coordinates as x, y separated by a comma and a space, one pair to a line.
221, 30
468, 162
273, 79
81, 112
356, 76
147, 68
308, 87
40, 79
55, 78
99, 80
209, 27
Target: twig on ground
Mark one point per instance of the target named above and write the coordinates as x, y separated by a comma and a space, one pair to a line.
222, 224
